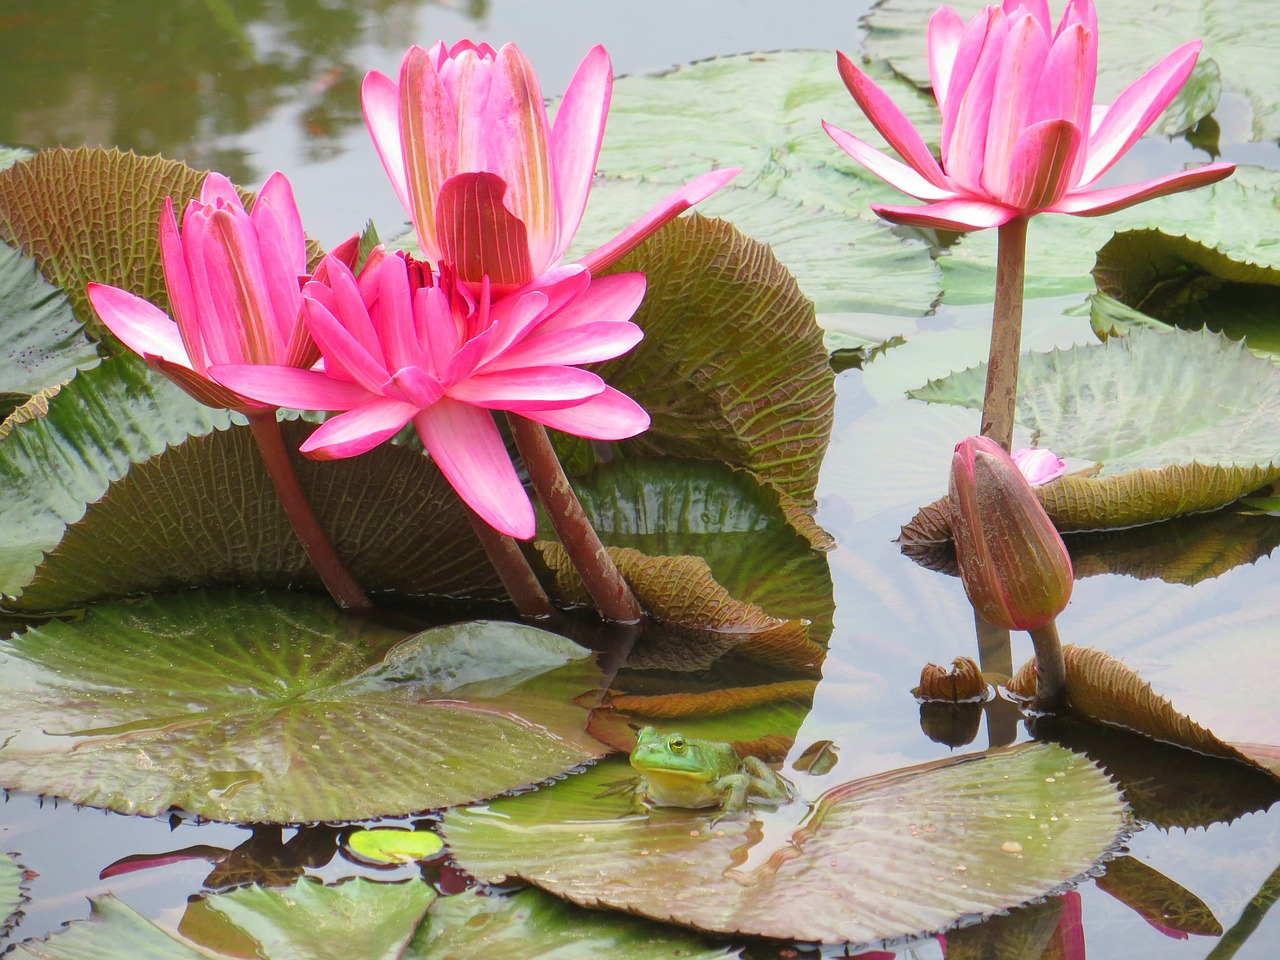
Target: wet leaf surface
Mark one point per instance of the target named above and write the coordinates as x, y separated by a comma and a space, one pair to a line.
979, 834
391, 845
274, 707
11, 891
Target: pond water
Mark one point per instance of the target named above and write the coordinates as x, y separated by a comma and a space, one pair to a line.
250, 87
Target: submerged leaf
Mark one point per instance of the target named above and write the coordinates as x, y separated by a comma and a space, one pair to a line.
733, 366
205, 513
530, 925
274, 707
906, 852
1157, 899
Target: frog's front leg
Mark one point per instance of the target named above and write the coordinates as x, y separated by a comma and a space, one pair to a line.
734, 787
765, 783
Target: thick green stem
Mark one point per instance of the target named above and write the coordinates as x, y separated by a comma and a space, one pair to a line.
1051, 669
610, 593
513, 569
333, 573
1006, 334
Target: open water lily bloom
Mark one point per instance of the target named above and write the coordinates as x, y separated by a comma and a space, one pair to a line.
1021, 134
233, 282
400, 344
492, 187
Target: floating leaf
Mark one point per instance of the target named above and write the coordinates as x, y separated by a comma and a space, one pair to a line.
1105, 690
1130, 42
906, 852
240, 706
11, 892
390, 845
1157, 899
732, 366
746, 531
530, 925
95, 429
681, 592
204, 513
41, 344
670, 706
355, 918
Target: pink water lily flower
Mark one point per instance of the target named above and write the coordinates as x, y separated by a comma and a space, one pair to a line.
1039, 465
492, 187
1020, 132
233, 282
400, 344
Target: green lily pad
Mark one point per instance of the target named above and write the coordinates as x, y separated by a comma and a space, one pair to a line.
41, 343
530, 925
1177, 422
905, 852
738, 526
389, 845
241, 706
11, 892
96, 427
204, 513
733, 366
11, 155
307, 920
1130, 41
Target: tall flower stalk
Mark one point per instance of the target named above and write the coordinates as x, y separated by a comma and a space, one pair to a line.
233, 283
1021, 136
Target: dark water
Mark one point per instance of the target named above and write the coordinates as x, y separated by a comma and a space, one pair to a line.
275, 86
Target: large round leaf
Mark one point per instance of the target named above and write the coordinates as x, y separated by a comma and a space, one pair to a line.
274, 707
531, 925
205, 513
907, 852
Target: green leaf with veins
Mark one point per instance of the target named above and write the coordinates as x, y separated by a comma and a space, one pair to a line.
249, 707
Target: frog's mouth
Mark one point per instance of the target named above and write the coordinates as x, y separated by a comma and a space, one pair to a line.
698, 776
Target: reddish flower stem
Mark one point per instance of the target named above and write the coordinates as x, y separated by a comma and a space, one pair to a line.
610, 593
1051, 669
333, 573
517, 576
1006, 334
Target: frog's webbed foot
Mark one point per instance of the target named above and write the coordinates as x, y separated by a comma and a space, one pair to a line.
766, 784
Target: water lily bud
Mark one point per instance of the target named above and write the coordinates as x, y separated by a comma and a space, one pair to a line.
962, 682
1015, 567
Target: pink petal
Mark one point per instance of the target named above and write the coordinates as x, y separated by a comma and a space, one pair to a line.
217, 187
1137, 108
672, 206
344, 356
586, 343
282, 246
891, 171
609, 416
966, 60
1021, 62
429, 139
290, 386
530, 388
478, 235
615, 297
964, 145
1042, 165
946, 30
891, 122
511, 319
959, 215
359, 431
202, 388
177, 280
1039, 10
575, 140
380, 98
1094, 203
1066, 85
1039, 466
518, 149
141, 326
466, 445
392, 317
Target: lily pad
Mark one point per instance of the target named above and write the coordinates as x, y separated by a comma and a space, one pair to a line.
53, 464
355, 918
242, 706
530, 925
732, 366
41, 343
1130, 41
1177, 422
906, 852
11, 892
204, 513
389, 845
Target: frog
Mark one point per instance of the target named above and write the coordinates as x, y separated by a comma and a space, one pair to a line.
680, 771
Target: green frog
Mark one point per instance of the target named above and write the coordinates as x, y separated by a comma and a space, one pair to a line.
680, 771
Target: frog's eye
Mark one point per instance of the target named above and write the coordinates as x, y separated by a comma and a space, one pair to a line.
676, 743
